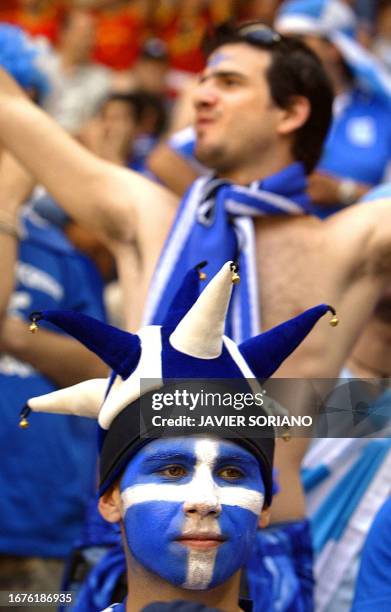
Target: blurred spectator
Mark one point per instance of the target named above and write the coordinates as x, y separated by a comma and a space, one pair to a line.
119, 33
183, 34
26, 70
38, 527
151, 112
358, 148
348, 478
40, 17
366, 14
150, 71
78, 86
382, 41
265, 10
126, 128
7, 10
373, 590
112, 133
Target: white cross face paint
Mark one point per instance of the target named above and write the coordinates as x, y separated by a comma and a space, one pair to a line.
191, 508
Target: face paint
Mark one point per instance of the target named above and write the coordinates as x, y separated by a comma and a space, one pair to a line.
191, 509
216, 58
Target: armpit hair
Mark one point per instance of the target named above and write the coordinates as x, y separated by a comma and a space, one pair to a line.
381, 261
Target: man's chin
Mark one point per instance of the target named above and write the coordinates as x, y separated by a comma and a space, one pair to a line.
209, 155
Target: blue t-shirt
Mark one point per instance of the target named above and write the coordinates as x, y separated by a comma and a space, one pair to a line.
373, 587
47, 472
358, 145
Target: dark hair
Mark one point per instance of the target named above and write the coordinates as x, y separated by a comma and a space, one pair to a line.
295, 70
141, 103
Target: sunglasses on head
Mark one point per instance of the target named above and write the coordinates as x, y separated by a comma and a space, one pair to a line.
255, 33
258, 33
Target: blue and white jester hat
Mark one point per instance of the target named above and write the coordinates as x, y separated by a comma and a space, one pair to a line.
190, 344
336, 21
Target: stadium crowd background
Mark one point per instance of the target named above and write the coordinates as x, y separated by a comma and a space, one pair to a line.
123, 25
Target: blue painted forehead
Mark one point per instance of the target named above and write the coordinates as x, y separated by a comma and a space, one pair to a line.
178, 447
217, 57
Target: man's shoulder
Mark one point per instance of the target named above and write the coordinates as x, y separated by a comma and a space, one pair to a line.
362, 233
359, 217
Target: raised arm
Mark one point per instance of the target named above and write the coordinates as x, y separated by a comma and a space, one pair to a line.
172, 169
106, 198
365, 230
77, 363
42, 352
15, 186
379, 246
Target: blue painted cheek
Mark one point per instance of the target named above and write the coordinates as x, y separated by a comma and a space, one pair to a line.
240, 527
151, 528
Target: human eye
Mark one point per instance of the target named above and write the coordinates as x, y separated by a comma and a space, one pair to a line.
173, 471
230, 473
229, 81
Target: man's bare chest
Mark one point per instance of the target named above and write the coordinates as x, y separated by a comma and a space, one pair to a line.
292, 269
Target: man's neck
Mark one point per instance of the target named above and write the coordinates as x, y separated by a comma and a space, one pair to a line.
146, 588
258, 170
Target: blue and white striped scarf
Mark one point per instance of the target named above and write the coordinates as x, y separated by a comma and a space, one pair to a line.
214, 223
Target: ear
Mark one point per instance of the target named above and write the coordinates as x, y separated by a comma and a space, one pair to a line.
110, 505
264, 519
294, 116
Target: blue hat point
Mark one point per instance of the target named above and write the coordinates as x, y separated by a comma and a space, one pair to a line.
186, 296
118, 349
266, 352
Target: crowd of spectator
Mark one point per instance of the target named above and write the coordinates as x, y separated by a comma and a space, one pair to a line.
122, 26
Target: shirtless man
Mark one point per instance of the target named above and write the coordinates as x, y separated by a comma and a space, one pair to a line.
245, 135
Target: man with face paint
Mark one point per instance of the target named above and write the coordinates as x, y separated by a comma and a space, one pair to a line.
189, 509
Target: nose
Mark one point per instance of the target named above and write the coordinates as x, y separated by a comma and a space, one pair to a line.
205, 95
202, 508
204, 502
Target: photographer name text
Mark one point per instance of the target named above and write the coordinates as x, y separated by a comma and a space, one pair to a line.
233, 420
